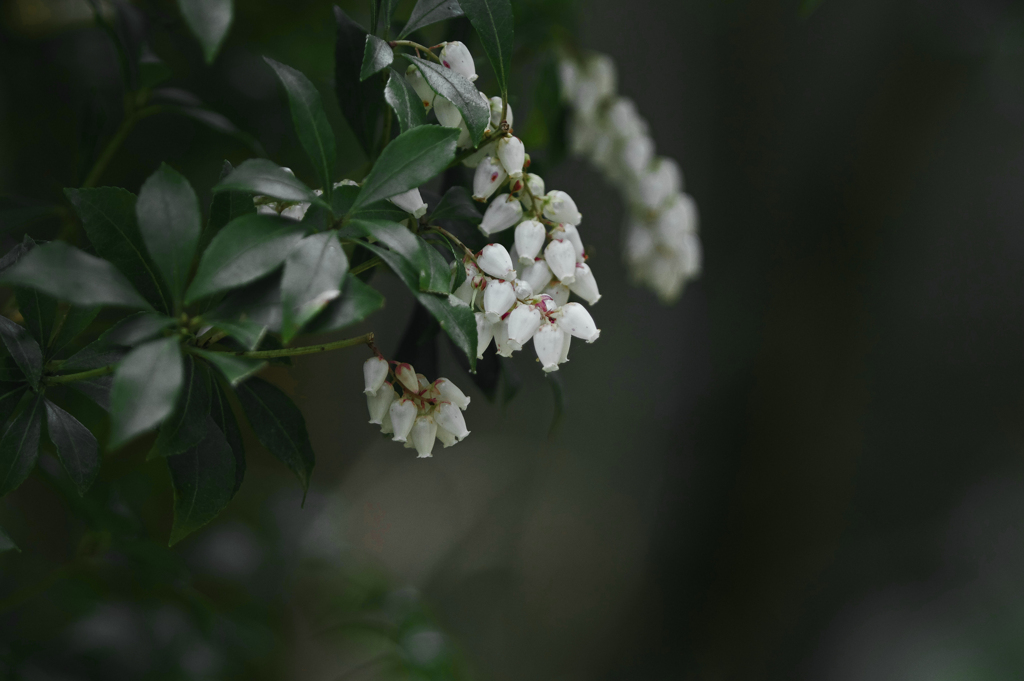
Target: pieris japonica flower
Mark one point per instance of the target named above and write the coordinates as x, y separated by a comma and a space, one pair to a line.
561, 258
380, 402
484, 334
407, 375
503, 212
495, 261
420, 85
449, 416
523, 322
495, 105
537, 275
512, 155
573, 318
489, 175
658, 183
456, 56
568, 232
535, 187
499, 296
559, 293
559, 207
530, 236
375, 371
424, 432
585, 286
522, 289
547, 342
411, 202
447, 113
403, 415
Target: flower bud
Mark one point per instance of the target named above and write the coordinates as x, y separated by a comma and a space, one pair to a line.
403, 415
422, 383
484, 334
547, 342
559, 293
559, 207
488, 177
447, 113
585, 285
512, 155
446, 437
495, 104
523, 322
501, 338
379, 403
537, 275
564, 357
499, 296
457, 57
530, 236
465, 290
503, 212
419, 84
495, 261
451, 393
407, 376
679, 219
449, 417
410, 202
659, 183
535, 183
561, 258
573, 318
522, 289
375, 371
546, 304
572, 235
424, 432
637, 154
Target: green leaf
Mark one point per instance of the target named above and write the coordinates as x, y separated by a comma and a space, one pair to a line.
260, 176
398, 238
437, 277
377, 56
186, 426
244, 251
108, 216
494, 23
411, 159
209, 21
76, 446
64, 272
225, 207
6, 544
136, 328
387, 9
357, 302
170, 223
146, 387
313, 274
234, 368
249, 312
457, 89
224, 418
427, 12
204, 482
406, 103
19, 446
152, 69
279, 425
96, 389
23, 349
38, 309
310, 123
76, 320
458, 205
345, 197
246, 332
10, 395
361, 101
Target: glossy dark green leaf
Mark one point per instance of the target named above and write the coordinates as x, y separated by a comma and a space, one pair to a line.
345, 197
209, 21
225, 207
6, 543
224, 418
136, 328
313, 274
377, 56
64, 272
108, 216
146, 387
437, 277
411, 159
244, 251
234, 368
310, 121
24, 350
385, 11
494, 23
19, 446
457, 89
398, 238
246, 332
77, 448
76, 320
96, 389
361, 101
260, 176
169, 220
204, 482
96, 354
186, 425
357, 302
407, 105
247, 313
10, 395
427, 12
458, 205
38, 309
279, 425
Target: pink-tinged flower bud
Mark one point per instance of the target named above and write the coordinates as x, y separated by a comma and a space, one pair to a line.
548, 344
410, 202
403, 415
422, 383
585, 285
572, 235
637, 153
537, 275
530, 236
375, 371
488, 177
564, 357
458, 58
446, 437
419, 84
559, 293
484, 334
512, 155
379, 403
503, 212
523, 322
546, 304
561, 258
447, 113
424, 432
499, 296
573, 318
559, 207
659, 183
451, 393
449, 417
407, 376
523, 289
495, 104
495, 261
535, 183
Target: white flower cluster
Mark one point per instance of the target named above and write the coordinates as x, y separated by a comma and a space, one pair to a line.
423, 412
661, 243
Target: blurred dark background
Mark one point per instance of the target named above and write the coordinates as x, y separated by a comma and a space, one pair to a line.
811, 467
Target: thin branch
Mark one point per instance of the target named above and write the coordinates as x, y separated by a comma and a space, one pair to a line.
415, 46
80, 376
366, 339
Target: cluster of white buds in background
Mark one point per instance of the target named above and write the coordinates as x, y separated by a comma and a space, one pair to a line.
661, 243
423, 412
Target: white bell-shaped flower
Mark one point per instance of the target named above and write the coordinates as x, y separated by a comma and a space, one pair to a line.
488, 177
564, 357
446, 437
403, 415
537, 275
572, 235
484, 333
561, 258
659, 183
379, 403
523, 289
559, 293
407, 376
411, 202
501, 338
465, 290
499, 296
385, 425
419, 84
451, 393
449, 417
535, 183
585, 285
503, 212
457, 57
559, 207
547, 342
424, 432
447, 113
512, 155
495, 105
573, 318
495, 261
530, 236
523, 322
375, 372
